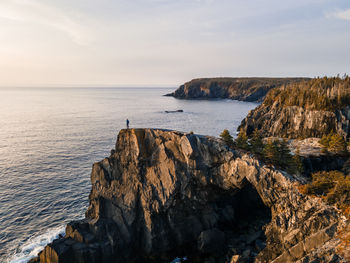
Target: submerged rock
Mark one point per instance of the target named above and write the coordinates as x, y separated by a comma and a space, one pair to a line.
173, 111
165, 194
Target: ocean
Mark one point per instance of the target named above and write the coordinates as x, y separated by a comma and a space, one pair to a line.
50, 137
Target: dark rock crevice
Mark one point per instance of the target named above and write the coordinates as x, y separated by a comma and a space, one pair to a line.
244, 217
314, 164
165, 194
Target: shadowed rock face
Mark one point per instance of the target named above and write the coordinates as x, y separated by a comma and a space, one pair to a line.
165, 194
244, 89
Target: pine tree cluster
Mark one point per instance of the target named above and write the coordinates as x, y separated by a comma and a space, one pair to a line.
274, 152
317, 94
334, 142
333, 186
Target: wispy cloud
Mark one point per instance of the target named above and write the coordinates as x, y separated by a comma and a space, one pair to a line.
39, 13
167, 41
340, 14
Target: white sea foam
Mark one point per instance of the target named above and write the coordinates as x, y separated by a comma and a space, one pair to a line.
178, 260
34, 245
48, 142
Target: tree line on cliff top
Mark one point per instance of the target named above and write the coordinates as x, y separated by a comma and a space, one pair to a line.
275, 152
332, 186
327, 93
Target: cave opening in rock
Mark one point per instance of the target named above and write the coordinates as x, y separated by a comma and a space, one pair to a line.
229, 223
243, 216
249, 208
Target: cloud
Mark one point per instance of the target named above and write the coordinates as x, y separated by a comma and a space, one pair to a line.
340, 14
38, 13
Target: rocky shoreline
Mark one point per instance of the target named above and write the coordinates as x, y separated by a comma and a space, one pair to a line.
243, 89
165, 194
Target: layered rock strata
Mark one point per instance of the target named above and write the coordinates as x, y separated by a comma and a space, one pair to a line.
296, 122
165, 194
244, 89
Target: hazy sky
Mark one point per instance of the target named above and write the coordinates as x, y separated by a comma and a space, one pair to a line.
167, 42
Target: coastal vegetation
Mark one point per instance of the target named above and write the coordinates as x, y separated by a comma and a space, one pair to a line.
226, 137
332, 186
242, 141
327, 93
244, 89
230, 192
310, 108
275, 152
333, 142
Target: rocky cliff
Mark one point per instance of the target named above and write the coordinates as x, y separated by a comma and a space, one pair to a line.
306, 109
165, 194
296, 122
244, 89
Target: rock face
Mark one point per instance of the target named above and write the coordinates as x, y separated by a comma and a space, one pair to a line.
164, 194
244, 89
295, 122
313, 157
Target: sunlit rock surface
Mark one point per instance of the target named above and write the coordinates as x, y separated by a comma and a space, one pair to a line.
295, 122
165, 194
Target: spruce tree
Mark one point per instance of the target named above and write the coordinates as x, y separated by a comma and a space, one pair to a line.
325, 140
271, 151
256, 142
226, 137
337, 144
284, 157
242, 140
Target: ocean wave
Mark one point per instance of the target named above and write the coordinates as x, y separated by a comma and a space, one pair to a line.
34, 245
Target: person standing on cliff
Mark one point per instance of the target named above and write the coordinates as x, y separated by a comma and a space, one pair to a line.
127, 123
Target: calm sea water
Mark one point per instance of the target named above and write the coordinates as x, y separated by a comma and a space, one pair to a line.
49, 139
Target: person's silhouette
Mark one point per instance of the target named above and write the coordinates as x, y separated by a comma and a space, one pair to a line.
127, 123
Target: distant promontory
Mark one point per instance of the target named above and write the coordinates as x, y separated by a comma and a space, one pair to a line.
244, 89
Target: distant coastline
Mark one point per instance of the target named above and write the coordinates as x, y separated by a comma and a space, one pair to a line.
244, 89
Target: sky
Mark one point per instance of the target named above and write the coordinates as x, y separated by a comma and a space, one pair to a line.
167, 42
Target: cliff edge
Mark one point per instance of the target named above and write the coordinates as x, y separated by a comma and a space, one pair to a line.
166, 194
301, 110
244, 89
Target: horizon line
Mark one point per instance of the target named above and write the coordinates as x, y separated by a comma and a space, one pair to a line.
150, 85
89, 86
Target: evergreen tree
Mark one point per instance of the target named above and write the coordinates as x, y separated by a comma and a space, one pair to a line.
226, 137
270, 151
297, 163
333, 142
277, 152
242, 140
325, 140
337, 144
256, 142
284, 157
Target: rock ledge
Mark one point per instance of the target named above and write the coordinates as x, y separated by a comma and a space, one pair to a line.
166, 194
